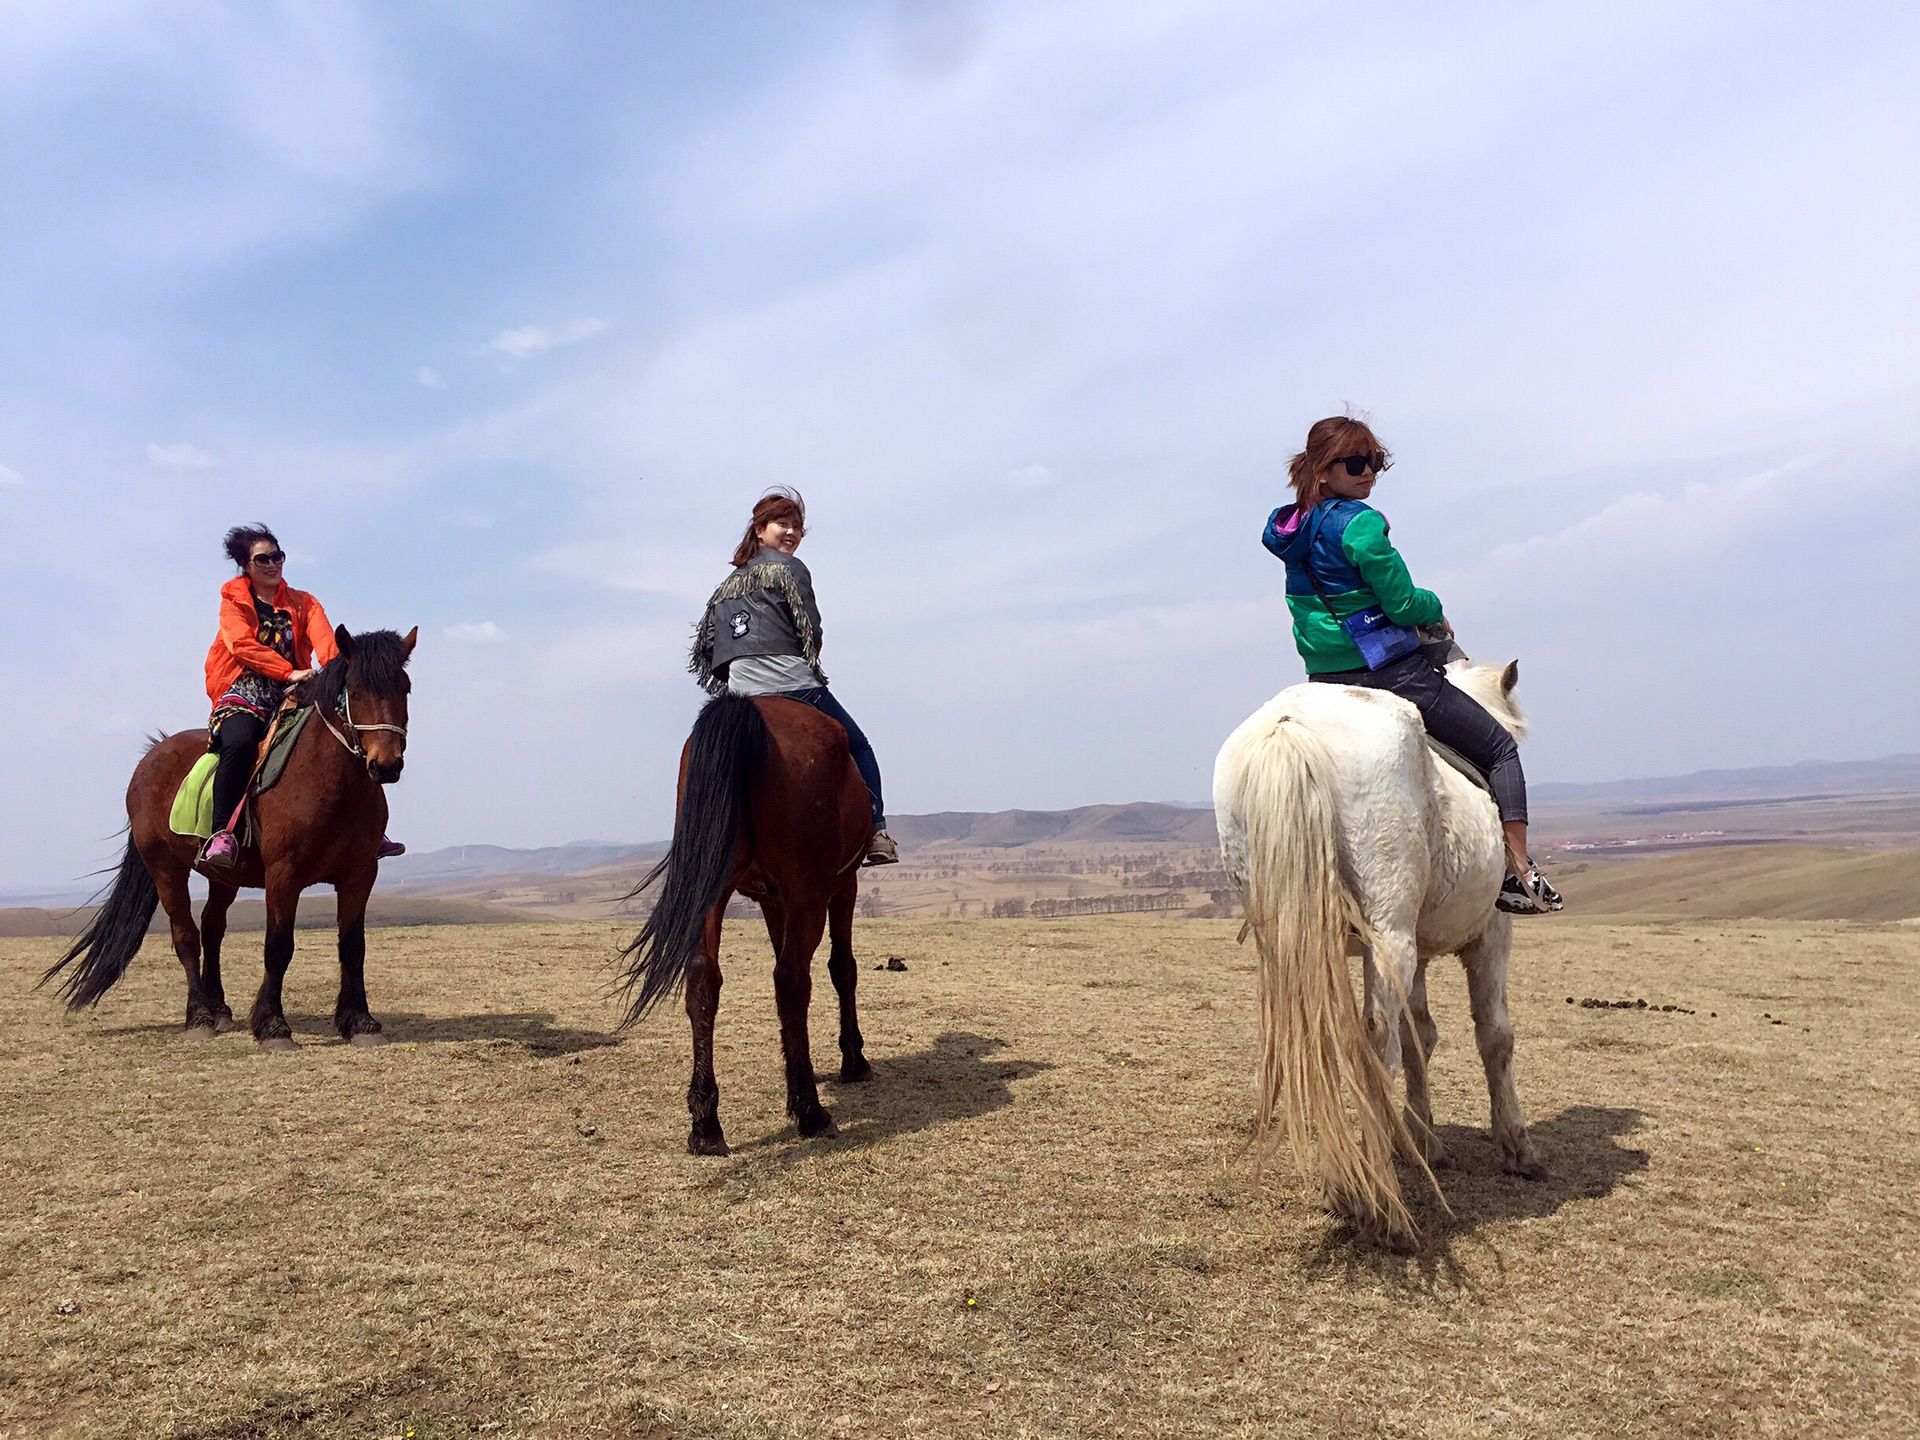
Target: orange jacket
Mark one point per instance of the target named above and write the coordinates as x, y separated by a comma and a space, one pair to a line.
237, 647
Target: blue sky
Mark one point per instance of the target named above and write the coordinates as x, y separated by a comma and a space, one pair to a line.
503, 314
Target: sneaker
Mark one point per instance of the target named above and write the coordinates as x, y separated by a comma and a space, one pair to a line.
881, 850
390, 848
1528, 894
221, 849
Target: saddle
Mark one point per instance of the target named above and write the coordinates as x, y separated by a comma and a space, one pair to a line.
192, 812
1460, 762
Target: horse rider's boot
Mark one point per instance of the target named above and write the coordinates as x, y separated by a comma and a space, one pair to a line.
390, 848
222, 849
881, 850
1529, 894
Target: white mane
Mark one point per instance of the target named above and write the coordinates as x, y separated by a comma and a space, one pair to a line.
1492, 686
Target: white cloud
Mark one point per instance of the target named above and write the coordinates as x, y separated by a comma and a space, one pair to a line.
530, 340
182, 455
9, 477
430, 378
476, 632
1030, 477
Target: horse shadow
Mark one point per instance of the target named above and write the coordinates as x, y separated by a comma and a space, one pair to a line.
1585, 1161
532, 1029
954, 1078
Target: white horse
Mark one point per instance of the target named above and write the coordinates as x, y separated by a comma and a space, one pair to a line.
1338, 823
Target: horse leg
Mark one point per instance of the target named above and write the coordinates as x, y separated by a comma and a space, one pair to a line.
792, 991
846, 976
703, 1000
1418, 1034
350, 1015
268, 1020
170, 880
213, 931
1486, 962
1392, 966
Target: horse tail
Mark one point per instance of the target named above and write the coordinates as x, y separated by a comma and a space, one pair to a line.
724, 754
1273, 792
112, 937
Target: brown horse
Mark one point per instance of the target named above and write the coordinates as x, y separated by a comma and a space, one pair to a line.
320, 825
770, 805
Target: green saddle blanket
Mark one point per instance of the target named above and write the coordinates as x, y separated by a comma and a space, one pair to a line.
192, 812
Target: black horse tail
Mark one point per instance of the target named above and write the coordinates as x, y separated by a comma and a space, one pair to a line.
112, 937
724, 754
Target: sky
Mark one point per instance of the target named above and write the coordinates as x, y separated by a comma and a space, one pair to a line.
502, 315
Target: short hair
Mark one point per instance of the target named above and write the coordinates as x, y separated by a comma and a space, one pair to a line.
242, 538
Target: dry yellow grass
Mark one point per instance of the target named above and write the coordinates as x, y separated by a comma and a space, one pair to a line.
1040, 1218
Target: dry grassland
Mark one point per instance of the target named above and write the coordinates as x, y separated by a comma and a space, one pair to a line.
1040, 1219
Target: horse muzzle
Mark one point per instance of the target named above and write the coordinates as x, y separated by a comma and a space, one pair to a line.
385, 773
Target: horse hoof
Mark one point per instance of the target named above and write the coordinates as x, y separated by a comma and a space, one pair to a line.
278, 1045
200, 1031
818, 1126
224, 1023
852, 1072
368, 1040
1526, 1169
711, 1144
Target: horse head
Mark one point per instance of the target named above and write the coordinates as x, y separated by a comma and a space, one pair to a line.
1493, 686
367, 686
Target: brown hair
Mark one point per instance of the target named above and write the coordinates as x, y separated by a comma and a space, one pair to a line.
1327, 441
779, 503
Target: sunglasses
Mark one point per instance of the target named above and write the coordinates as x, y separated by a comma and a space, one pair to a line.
1358, 465
274, 557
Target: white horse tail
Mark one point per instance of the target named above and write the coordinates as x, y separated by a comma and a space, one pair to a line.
1319, 1073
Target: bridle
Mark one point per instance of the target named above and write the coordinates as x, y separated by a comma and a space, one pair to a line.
353, 746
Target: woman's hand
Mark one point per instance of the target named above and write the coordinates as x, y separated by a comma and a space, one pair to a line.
300, 677
1445, 627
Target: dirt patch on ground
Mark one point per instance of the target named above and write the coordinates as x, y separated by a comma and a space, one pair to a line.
1040, 1217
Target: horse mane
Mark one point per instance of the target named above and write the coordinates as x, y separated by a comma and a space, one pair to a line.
1486, 684
377, 663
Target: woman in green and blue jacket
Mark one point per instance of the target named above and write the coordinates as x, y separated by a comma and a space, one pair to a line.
1339, 562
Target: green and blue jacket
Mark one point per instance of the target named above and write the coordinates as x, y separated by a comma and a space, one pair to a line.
1356, 565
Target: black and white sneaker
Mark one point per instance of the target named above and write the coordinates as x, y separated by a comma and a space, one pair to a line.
1529, 894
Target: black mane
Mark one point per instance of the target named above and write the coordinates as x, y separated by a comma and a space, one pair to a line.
378, 666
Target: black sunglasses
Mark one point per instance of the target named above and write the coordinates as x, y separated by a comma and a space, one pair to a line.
1358, 465
274, 557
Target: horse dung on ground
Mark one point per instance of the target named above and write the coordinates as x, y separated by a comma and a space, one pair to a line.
1339, 824
770, 806
321, 824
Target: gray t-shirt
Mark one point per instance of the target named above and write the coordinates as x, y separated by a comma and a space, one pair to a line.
770, 675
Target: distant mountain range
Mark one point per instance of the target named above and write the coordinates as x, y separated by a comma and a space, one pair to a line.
611, 866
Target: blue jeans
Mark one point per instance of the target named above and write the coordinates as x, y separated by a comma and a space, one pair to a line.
821, 699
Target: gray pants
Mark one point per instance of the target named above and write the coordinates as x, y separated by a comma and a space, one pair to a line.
1454, 718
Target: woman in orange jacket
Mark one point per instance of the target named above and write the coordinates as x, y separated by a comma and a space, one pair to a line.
272, 637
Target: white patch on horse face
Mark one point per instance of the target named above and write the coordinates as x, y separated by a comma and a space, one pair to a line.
741, 622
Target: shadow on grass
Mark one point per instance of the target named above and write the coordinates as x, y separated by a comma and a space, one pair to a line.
1584, 1159
533, 1029
954, 1078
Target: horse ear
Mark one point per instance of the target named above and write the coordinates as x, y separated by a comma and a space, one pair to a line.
342, 639
412, 637
1509, 677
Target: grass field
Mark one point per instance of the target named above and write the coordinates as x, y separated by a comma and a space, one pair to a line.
1041, 1218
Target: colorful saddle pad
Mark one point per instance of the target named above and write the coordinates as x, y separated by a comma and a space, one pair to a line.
192, 812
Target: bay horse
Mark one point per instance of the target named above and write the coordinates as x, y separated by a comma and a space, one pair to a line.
1339, 824
321, 824
771, 806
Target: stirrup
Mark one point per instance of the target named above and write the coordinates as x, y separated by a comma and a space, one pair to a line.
881, 850
229, 853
